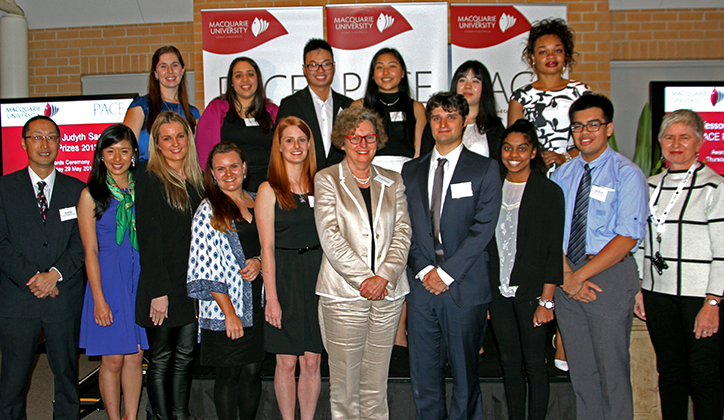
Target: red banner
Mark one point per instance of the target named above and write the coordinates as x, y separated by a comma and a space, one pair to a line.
352, 28
485, 26
236, 31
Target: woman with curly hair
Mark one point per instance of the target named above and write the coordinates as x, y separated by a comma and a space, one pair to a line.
545, 102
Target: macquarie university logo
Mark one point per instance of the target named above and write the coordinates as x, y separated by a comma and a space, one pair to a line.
716, 97
50, 110
485, 26
352, 28
236, 31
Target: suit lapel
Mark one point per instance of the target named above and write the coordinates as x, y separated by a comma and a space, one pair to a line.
461, 174
378, 188
311, 118
422, 179
26, 193
352, 189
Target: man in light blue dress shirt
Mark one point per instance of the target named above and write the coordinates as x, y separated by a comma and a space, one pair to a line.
605, 220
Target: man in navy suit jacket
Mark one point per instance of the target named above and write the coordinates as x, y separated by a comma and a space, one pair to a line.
40, 273
318, 105
449, 285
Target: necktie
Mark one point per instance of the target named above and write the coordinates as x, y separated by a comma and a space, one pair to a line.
437, 208
42, 201
577, 240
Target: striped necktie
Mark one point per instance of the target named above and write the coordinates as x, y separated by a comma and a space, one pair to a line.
577, 240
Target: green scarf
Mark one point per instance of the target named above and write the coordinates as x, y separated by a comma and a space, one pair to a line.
124, 213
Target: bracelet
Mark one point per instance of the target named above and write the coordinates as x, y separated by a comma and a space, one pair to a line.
258, 258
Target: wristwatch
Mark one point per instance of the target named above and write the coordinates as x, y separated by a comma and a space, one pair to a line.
712, 302
546, 303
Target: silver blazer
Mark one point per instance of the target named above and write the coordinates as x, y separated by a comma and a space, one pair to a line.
346, 235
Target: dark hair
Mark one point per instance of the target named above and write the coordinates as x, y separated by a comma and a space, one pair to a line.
487, 117
317, 44
224, 210
26, 127
258, 104
594, 100
530, 134
97, 186
557, 27
407, 104
449, 101
155, 102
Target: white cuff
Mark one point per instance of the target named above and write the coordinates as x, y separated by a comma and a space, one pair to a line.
61, 275
423, 272
445, 276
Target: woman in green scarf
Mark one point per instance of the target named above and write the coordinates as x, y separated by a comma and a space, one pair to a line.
107, 223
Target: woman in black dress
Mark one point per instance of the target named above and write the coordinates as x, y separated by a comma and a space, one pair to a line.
403, 118
167, 195
291, 257
223, 274
243, 115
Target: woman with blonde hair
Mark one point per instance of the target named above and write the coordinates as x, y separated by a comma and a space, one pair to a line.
291, 255
167, 196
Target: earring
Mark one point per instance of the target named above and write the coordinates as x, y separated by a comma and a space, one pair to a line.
215, 183
564, 69
133, 161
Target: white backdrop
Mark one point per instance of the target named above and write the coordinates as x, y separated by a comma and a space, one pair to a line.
273, 37
495, 35
417, 30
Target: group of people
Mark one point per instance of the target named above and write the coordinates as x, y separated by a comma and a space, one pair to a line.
351, 226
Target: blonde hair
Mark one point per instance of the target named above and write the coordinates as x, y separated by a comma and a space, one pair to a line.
176, 195
687, 117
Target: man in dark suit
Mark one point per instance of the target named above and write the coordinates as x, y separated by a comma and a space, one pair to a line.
40, 273
318, 105
453, 199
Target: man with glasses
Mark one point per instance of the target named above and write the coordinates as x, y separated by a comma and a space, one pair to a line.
606, 198
40, 273
318, 105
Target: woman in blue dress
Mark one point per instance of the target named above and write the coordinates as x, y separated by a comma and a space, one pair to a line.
166, 92
107, 224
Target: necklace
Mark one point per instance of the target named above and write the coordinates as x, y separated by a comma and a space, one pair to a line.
390, 104
362, 180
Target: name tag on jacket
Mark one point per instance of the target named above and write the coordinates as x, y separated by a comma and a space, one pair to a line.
68, 213
461, 190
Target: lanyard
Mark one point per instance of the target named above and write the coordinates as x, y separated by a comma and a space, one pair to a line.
660, 222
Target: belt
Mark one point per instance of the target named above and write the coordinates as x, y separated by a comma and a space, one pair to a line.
589, 257
299, 250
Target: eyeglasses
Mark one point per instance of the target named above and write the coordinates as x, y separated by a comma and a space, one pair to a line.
326, 66
51, 138
369, 138
592, 127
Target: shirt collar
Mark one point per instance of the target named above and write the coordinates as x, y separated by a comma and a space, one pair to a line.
452, 157
319, 100
35, 178
603, 158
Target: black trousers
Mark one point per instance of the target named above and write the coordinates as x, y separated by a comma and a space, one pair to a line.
521, 347
18, 344
170, 364
686, 366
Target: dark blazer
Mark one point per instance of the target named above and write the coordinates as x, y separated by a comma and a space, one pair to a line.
28, 246
539, 245
301, 105
164, 239
466, 225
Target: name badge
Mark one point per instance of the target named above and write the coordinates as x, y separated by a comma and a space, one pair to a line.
310, 199
599, 193
398, 116
461, 190
68, 213
251, 122
387, 182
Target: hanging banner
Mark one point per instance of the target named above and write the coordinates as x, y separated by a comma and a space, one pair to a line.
495, 35
273, 37
417, 30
